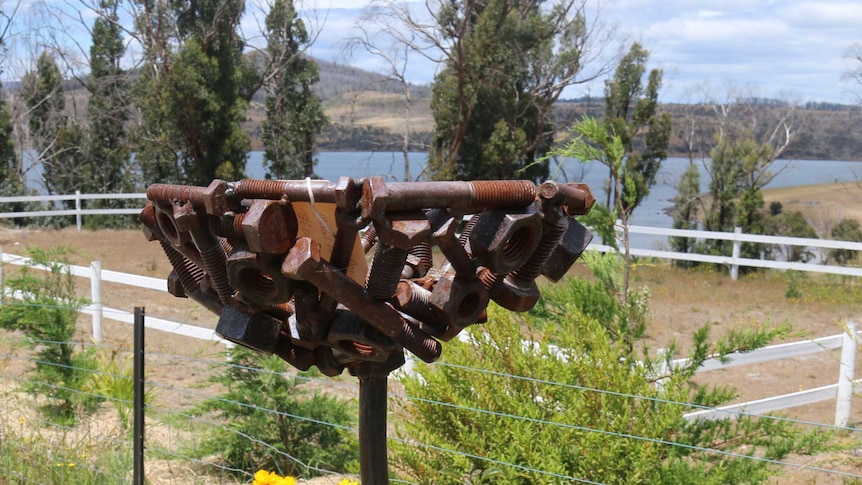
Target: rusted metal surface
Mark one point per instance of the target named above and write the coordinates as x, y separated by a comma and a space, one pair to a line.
283, 263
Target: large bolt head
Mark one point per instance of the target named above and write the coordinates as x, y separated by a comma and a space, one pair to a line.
461, 300
215, 199
504, 241
175, 286
270, 226
258, 282
375, 196
403, 230
258, 332
575, 240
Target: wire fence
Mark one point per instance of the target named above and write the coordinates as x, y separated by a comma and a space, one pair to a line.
179, 382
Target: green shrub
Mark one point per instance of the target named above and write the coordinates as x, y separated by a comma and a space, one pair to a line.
579, 403
47, 313
274, 422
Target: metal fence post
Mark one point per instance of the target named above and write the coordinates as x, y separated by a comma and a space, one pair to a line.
737, 245
139, 403
96, 294
844, 395
78, 209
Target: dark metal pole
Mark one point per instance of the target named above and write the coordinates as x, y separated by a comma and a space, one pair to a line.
138, 451
373, 462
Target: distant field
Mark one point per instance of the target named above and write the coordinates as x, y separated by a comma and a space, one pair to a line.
828, 202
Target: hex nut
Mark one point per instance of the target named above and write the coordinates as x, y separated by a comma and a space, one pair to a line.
503, 241
175, 286
461, 300
169, 228
575, 240
258, 332
257, 281
270, 226
358, 340
515, 295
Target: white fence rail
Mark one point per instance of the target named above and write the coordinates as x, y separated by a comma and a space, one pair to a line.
842, 390
78, 211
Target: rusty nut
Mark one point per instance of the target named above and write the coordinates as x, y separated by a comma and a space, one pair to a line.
270, 226
460, 300
575, 240
168, 226
175, 285
502, 241
258, 281
357, 340
258, 332
515, 295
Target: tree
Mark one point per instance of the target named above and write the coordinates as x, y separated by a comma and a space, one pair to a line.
108, 111
578, 405
55, 138
192, 91
294, 115
505, 63
686, 207
631, 113
846, 230
794, 224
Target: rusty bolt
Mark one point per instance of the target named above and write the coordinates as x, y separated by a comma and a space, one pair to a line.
168, 226
374, 197
576, 199
258, 332
504, 241
326, 362
258, 281
444, 228
270, 226
461, 300
575, 240
298, 357
357, 339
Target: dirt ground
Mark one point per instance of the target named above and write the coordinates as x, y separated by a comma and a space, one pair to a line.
681, 301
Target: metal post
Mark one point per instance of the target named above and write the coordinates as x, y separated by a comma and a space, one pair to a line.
138, 451
737, 245
373, 463
78, 209
96, 295
844, 395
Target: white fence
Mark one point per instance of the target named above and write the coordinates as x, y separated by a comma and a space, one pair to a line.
78, 211
842, 390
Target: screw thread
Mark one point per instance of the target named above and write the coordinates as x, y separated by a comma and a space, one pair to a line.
368, 238
189, 273
503, 193
419, 343
551, 236
385, 271
424, 253
215, 264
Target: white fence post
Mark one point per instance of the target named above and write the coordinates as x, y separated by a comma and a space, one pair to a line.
96, 292
737, 246
845, 376
78, 209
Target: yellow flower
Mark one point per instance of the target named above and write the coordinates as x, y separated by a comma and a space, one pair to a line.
347, 481
22, 420
263, 477
286, 481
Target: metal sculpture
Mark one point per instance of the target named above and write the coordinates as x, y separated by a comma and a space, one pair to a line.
283, 264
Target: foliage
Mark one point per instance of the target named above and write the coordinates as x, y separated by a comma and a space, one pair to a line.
686, 207
845, 230
47, 316
114, 380
294, 115
35, 454
631, 114
193, 92
271, 421
793, 224
56, 139
492, 99
585, 407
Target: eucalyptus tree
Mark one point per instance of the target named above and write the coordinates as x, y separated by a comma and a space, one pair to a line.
294, 115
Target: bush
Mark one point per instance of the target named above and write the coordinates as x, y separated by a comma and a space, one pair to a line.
47, 313
578, 403
273, 422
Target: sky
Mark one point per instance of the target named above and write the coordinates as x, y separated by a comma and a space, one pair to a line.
785, 49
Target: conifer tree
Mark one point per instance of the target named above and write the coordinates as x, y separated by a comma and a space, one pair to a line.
294, 115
